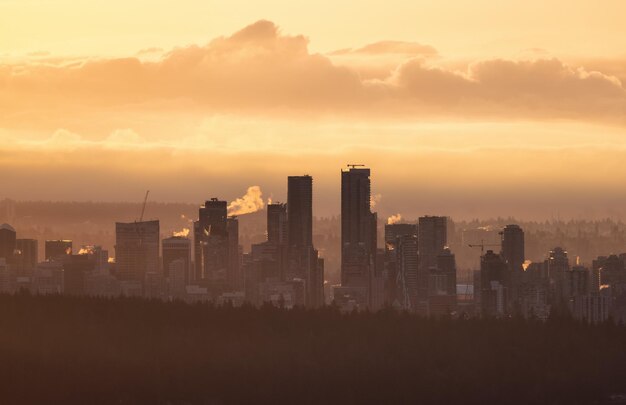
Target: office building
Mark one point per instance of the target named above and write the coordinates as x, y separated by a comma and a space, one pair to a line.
177, 249
136, 250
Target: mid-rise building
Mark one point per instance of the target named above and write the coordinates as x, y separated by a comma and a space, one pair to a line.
26, 256
7, 243
136, 250
57, 249
177, 249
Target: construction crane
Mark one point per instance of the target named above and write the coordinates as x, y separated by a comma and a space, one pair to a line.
143, 208
352, 165
482, 246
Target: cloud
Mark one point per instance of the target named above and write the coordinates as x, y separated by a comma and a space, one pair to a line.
149, 51
390, 47
123, 137
515, 89
259, 70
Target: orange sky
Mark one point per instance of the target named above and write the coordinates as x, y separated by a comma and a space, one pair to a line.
469, 109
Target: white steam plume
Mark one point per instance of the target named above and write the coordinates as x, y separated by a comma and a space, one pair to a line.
375, 199
249, 203
182, 233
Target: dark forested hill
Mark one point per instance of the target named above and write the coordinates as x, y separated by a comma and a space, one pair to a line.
83, 350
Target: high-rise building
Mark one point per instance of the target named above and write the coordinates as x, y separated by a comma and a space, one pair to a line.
26, 256
303, 261
557, 266
136, 250
300, 210
492, 289
7, 243
277, 223
512, 253
216, 248
446, 270
513, 247
57, 249
211, 243
177, 249
277, 236
432, 238
394, 293
407, 265
358, 231
442, 297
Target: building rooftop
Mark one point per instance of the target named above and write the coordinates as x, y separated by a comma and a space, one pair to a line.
7, 227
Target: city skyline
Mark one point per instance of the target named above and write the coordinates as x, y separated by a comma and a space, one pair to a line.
303, 202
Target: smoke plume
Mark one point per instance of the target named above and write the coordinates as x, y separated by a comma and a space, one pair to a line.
394, 219
249, 203
375, 199
182, 233
86, 250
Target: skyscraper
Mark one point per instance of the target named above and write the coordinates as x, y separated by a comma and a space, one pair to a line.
442, 285
492, 289
431, 240
303, 260
557, 266
394, 290
277, 223
277, 237
211, 242
136, 249
513, 247
300, 210
216, 248
513, 255
407, 272
358, 229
